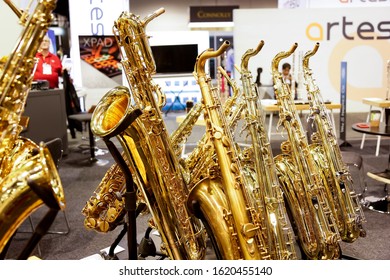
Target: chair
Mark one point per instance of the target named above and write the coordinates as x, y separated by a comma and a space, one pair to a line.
55, 148
355, 160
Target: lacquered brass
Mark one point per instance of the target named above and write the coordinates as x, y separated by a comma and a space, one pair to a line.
28, 175
304, 190
146, 143
265, 191
326, 151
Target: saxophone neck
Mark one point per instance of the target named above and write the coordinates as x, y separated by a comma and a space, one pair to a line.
152, 16
306, 57
248, 54
199, 70
310, 84
280, 56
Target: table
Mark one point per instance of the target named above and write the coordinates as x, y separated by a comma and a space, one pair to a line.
271, 107
382, 205
382, 104
86, 118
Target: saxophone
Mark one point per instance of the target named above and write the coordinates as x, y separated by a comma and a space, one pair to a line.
267, 191
300, 179
105, 209
28, 175
223, 195
347, 210
146, 143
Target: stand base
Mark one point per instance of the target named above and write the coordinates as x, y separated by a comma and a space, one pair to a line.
381, 206
345, 144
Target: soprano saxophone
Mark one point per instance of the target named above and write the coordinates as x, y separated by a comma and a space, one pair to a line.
28, 175
347, 210
300, 179
267, 190
146, 143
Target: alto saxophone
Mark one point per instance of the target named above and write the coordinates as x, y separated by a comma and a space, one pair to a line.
347, 210
300, 179
266, 190
146, 143
222, 196
28, 175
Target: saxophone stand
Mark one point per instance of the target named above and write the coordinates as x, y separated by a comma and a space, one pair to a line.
130, 197
43, 226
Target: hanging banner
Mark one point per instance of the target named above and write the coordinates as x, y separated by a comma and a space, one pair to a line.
343, 100
91, 18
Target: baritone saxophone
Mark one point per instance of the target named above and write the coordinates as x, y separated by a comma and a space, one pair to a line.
347, 210
300, 179
28, 175
105, 209
146, 143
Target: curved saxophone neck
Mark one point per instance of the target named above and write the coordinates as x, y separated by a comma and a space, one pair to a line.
248, 54
152, 16
280, 56
306, 57
207, 54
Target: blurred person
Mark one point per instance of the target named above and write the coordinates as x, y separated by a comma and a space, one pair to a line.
49, 65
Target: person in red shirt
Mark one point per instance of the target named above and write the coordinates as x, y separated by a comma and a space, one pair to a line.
49, 66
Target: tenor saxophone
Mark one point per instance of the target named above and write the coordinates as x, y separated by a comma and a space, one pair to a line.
347, 210
146, 143
300, 179
28, 175
227, 207
266, 190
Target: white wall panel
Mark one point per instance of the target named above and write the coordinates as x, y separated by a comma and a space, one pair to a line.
343, 34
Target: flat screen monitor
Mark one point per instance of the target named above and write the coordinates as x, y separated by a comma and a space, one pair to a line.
175, 59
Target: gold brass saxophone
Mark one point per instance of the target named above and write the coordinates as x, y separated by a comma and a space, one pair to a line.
105, 210
28, 175
347, 210
146, 143
300, 179
223, 197
266, 190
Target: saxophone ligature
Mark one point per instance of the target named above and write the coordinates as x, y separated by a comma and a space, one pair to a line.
28, 174
300, 179
346, 207
266, 190
146, 143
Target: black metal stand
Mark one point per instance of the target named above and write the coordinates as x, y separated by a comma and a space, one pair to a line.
130, 195
39, 232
